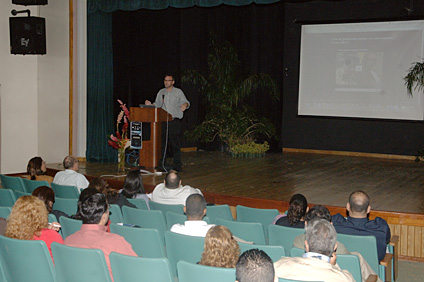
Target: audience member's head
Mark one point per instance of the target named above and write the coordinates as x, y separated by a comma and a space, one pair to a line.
95, 210
45, 194
316, 212
255, 266
195, 207
321, 237
297, 209
359, 204
220, 250
86, 193
36, 166
71, 162
28, 216
103, 187
172, 180
133, 184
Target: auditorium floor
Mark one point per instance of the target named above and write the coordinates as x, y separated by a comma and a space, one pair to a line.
393, 185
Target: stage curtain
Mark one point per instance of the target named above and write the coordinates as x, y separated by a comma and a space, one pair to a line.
100, 118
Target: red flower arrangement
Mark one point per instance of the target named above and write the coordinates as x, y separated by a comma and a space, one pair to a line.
120, 140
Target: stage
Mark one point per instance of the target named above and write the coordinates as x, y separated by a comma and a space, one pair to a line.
393, 185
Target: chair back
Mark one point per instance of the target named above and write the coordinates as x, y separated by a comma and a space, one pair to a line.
69, 226
248, 231
263, 216
141, 269
68, 206
18, 193
139, 203
350, 263
192, 272
52, 218
5, 211
145, 219
31, 185
274, 252
283, 236
25, 260
7, 198
65, 191
174, 218
296, 252
183, 247
145, 242
115, 214
218, 211
166, 208
12, 182
365, 245
78, 264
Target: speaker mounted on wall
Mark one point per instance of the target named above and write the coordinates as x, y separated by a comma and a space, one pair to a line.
29, 2
27, 35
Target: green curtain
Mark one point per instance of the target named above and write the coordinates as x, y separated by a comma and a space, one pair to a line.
100, 119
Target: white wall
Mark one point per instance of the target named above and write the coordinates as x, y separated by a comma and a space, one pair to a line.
34, 92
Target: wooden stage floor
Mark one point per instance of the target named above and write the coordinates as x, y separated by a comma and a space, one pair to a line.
393, 185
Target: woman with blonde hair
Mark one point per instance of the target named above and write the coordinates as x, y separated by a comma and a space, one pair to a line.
221, 250
28, 220
36, 170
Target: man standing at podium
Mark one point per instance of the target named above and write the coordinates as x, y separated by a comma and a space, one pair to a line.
172, 100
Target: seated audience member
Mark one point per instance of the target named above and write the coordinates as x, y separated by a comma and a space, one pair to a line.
171, 192
319, 261
220, 250
195, 209
46, 194
112, 195
94, 212
28, 220
133, 187
86, 193
70, 176
36, 170
357, 223
296, 213
321, 212
255, 266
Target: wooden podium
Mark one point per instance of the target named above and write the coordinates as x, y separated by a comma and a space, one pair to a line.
150, 152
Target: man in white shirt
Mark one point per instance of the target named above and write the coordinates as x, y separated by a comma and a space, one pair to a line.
70, 175
195, 210
171, 192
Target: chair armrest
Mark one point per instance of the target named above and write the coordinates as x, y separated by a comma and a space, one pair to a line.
372, 278
387, 263
394, 240
386, 260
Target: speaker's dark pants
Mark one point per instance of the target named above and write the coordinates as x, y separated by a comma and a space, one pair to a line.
174, 142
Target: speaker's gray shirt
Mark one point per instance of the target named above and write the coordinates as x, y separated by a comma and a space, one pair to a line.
171, 101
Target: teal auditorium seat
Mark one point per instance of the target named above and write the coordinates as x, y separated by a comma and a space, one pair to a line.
218, 211
192, 272
183, 247
25, 260
115, 215
12, 182
65, 191
7, 198
5, 211
129, 269
69, 226
166, 208
145, 242
248, 231
274, 252
174, 218
68, 206
18, 193
283, 236
263, 216
79, 265
139, 203
31, 185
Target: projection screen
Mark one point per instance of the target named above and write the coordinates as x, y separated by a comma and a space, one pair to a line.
357, 70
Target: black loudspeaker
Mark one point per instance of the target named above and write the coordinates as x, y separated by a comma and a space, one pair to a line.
27, 35
29, 2
135, 135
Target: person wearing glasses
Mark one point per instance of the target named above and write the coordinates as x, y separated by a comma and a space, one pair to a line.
172, 100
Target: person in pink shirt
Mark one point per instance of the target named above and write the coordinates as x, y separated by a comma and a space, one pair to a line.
94, 212
28, 220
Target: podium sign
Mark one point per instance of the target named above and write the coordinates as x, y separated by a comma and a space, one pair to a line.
150, 152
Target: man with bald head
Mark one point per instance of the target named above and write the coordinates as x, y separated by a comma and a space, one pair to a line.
357, 223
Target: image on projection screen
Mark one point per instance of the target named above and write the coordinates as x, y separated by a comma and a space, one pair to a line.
357, 70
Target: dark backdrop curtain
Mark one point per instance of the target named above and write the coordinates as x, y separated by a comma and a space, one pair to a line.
156, 39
